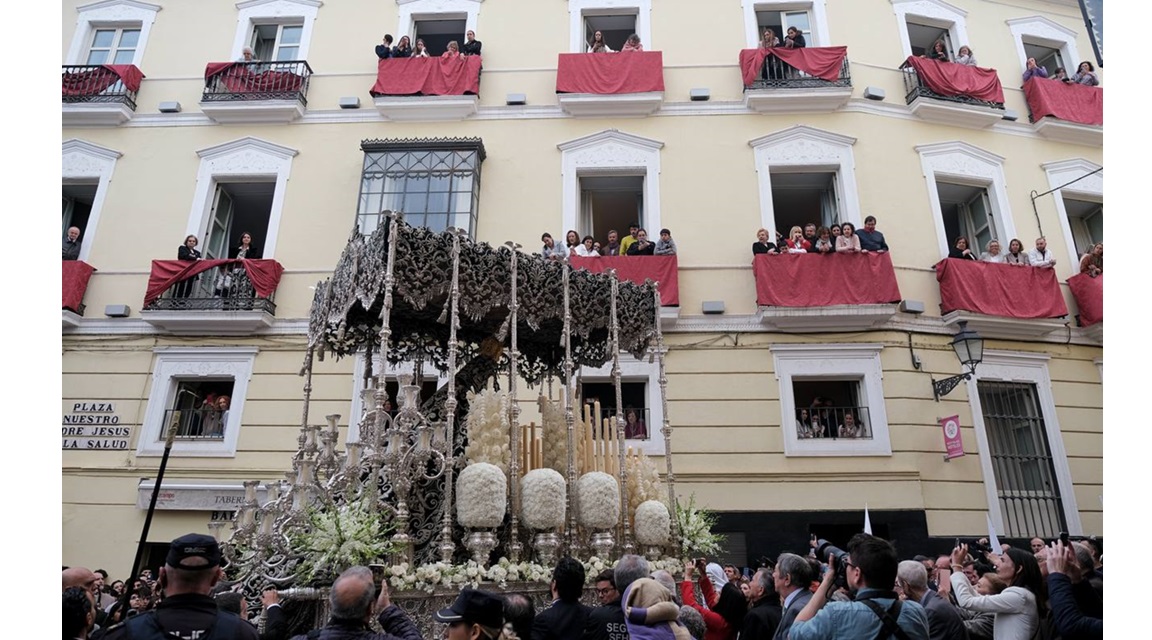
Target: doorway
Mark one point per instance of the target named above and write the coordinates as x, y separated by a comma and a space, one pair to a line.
238, 208
436, 34
77, 207
967, 212
802, 198
610, 203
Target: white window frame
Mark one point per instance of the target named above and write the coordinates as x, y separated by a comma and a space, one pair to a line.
803, 149
835, 362
1044, 32
817, 14
111, 14
243, 160
1090, 189
579, 9
114, 48
253, 13
961, 163
610, 152
413, 11
390, 372
1027, 368
82, 162
177, 364
277, 42
936, 13
633, 370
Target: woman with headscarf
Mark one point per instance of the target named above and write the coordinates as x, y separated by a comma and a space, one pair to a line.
650, 613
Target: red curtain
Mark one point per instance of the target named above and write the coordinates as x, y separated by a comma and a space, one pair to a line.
951, 79
610, 73
1089, 294
664, 270
815, 280
1071, 102
427, 76
240, 78
94, 81
999, 289
264, 274
822, 62
76, 275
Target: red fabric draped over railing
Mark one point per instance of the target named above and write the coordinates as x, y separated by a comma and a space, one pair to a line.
1071, 102
238, 77
951, 79
427, 76
264, 274
76, 274
999, 289
815, 280
94, 81
822, 62
1089, 295
610, 73
664, 270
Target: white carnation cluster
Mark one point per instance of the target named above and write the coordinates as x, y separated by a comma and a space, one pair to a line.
653, 523
429, 577
670, 564
488, 429
542, 500
481, 496
554, 435
599, 500
643, 480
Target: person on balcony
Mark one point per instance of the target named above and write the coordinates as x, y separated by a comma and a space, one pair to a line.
810, 233
227, 280
870, 238
823, 244
1016, 255
769, 39
245, 250
613, 246
964, 56
187, 252
641, 247
551, 250
665, 246
1033, 70
384, 50
420, 51
992, 254
633, 44
71, 247
471, 44
587, 248
1060, 75
794, 39
452, 52
939, 52
571, 241
796, 241
960, 250
848, 242
771, 69
1040, 256
849, 429
597, 45
634, 427
1093, 262
1085, 75
803, 425
247, 55
403, 49
629, 239
763, 244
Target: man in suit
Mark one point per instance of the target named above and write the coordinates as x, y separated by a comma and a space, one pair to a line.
791, 578
764, 610
566, 618
944, 623
72, 244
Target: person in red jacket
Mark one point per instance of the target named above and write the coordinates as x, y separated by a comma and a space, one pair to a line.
726, 616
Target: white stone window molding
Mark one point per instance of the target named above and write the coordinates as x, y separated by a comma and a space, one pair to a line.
610, 152
1089, 188
111, 14
580, 9
1042, 31
817, 13
390, 372
936, 13
177, 364
633, 370
849, 361
961, 163
412, 11
803, 149
82, 163
1026, 368
243, 160
258, 12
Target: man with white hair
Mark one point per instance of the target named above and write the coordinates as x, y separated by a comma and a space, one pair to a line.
944, 623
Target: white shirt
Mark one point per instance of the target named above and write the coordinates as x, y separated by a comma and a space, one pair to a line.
1036, 260
586, 253
1015, 608
988, 257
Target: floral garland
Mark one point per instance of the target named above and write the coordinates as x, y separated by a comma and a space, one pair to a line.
482, 496
599, 500
643, 480
542, 503
488, 429
429, 577
653, 523
696, 537
555, 437
337, 538
594, 565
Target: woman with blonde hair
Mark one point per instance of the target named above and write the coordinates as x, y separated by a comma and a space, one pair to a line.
796, 241
452, 52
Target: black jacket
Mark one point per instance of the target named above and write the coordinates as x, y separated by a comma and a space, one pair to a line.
562, 621
606, 622
184, 253
190, 615
253, 253
71, 249
471, 48
397, 52
383, 51
760, 247
1070, 620
635, 250
959, 255
762, 619
396, 625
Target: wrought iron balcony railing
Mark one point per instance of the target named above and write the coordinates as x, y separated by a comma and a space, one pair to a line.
196, 424
223, 288
914, 88
832, 423
777, 74
94, 83
259, 81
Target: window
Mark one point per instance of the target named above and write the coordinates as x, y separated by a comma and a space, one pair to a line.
77, 205
598, 174
922, 22
438, 22
809, 17
1079, 197
237, 208
634, 399
1086, 221
832, 386
434, 182
616, 20
922, 38
639, 394
86, 171
183, 379
966, 190
614, 27
802, 198
1046, 56
111, 32
966, 212
277, 42
1052, 44
277, 30
610, 203
113, 46
437, 33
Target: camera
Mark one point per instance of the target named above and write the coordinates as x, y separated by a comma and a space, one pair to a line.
823, 550
974, 546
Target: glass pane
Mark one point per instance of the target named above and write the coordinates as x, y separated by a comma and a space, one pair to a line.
462, 182
1095, 224
291, 35
436, 222
462, 202
462, 221
415, 202
368, 224
103, 38
438, 203
438, 183
129, 38
798, 19
97, 57
124, 56
287, 53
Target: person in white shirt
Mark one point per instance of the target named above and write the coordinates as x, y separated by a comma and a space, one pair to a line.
585, 249
597, 45
1041, 256
993, 253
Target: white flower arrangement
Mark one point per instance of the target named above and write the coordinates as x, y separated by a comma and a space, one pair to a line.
481, 496
435, 575
554, 437
488, 429
542, 500
672, 565
338, 537
653, 523
643, 480
599, 500
696, 537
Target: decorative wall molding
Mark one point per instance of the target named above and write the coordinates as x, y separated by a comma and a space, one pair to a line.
111, 13
610, 152
934, 12
254, 12
1041, 30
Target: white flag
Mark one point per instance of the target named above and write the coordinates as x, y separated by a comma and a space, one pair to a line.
993, 541
867, 522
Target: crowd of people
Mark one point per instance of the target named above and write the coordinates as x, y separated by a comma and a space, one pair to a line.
598, 45
1054, 590
636, 243
1091, 262
841, 238
405, 49
229, 281
822, 419
1085, 73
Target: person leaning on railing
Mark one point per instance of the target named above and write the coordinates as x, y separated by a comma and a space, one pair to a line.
1034, 70
187, 252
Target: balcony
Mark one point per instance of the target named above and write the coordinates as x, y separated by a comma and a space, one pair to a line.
266, 92
954, 94
75, 275
1089, 295
427, 89
211, 296
1001, 300
1066, 112
197, 424
828, 424
99, 95
595, 85
808, 292
808, 80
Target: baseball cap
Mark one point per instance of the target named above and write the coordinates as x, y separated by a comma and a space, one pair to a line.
194, 545
474, 606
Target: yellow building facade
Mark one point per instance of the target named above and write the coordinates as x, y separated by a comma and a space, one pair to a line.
708, 158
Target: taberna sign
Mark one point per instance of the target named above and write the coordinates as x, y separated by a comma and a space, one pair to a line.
94, 425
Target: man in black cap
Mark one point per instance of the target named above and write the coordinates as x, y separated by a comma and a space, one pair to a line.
475, 615
566, 618
187, 611
353, 601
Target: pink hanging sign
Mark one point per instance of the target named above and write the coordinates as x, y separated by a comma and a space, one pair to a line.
953, 446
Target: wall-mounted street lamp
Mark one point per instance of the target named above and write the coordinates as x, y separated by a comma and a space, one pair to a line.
969, 348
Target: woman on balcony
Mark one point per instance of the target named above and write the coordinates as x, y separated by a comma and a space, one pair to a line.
1093, 262
1086, 75
850, 429
598, 45
188, 252
1016, 254
403, 49
992, 254
823, 244
232, 282
848, 242
587, 248
572, 242
762, 244
633, 44
769, 39
965, 57
634, 428
961, 251
796, 241
1034, 70
420, 51
939, 52
452, 52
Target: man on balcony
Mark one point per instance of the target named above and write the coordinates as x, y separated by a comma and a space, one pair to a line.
72, 244
1041, 256
870, 238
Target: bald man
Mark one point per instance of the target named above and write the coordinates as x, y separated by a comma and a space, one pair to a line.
79, 577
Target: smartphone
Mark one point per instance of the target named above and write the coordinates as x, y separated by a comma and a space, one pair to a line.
1064, 538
